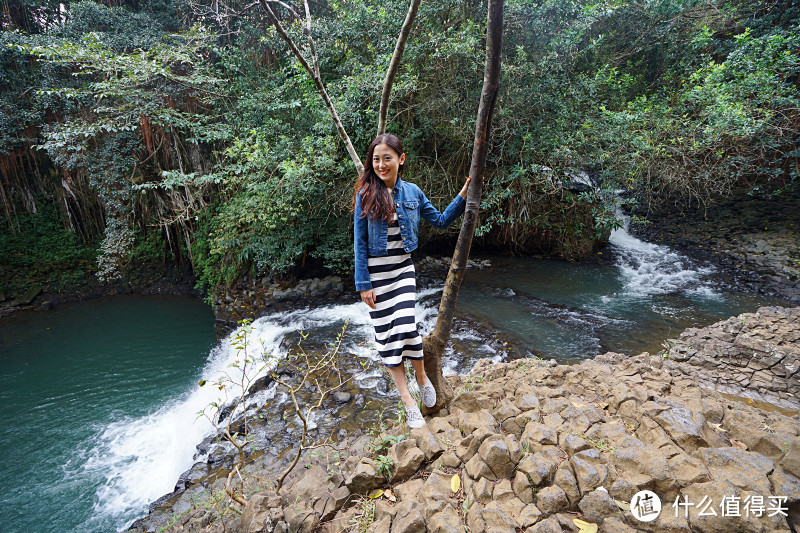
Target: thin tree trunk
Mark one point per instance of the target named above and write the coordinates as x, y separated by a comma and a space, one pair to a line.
394, 64
434, 343
314, 73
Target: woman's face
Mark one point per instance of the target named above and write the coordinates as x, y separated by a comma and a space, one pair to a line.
386, 163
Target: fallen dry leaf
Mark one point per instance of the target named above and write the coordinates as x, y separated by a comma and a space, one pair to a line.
585, 527
455, 483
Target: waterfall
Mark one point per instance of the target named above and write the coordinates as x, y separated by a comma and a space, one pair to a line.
650, 269
141, 459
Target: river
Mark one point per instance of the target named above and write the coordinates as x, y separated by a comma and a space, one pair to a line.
101, 397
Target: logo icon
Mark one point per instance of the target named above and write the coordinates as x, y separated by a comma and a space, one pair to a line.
645, 506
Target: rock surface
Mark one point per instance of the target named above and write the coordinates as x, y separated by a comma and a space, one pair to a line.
755, 355
592, 436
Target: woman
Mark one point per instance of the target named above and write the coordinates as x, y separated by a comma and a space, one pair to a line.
386, 220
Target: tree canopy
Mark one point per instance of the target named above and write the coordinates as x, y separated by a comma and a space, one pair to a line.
196, 131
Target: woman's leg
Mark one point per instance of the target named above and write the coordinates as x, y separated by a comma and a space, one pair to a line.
419, 370
399, 376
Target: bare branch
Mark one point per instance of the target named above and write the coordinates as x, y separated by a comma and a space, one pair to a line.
318, 84
394, 64
311, 47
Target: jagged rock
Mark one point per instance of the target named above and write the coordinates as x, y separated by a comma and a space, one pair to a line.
342, 397
406, 458
565, 479
597, 506
300, 519
477, 469
261, 512
502, 491
622, 490
382, 525
427, 442
527, 402
482, 491
408, 518
194, 475
538, 468
645, 467
495, 453
449, 459
590, 472
688, 470
785, 485
791, 461
474, 519
468, 446
685, 428
471, 402
468, 422
437, 486
438, 425
537, 435
365, 478
549, 525
615, 525
752, 351
743, 469
572, 444
409, 490
498, 518
445, 521
529, 515
506, 414
522, 487
431, 507
551, 500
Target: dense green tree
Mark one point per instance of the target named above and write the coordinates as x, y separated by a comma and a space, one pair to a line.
220, 146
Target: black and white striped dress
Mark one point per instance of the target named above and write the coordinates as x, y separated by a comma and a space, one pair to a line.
395, 284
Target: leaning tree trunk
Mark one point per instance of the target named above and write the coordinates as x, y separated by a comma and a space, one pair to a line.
434, 343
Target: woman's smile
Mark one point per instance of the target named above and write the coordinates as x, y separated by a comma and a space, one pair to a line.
387, 163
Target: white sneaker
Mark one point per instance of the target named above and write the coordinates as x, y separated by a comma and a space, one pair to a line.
414, 417
428, 393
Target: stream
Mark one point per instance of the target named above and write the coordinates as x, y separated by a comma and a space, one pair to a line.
101, 398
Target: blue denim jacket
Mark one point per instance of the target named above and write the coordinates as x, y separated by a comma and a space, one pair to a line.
410, 204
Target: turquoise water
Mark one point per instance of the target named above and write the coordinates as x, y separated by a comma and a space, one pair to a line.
69, 375
100, 398
571, 311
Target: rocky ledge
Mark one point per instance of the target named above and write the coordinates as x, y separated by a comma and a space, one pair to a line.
532, 446
755, 239
753, 355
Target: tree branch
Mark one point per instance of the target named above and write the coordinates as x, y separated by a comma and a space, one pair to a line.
318, 84
434, 343
394, 64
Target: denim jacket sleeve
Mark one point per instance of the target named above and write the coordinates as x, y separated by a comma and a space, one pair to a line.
441, 220
360, 245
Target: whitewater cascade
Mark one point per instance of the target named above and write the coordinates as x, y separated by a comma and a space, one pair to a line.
650, 269
141, 459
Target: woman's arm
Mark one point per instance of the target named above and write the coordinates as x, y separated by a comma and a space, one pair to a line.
360, 247
454, 210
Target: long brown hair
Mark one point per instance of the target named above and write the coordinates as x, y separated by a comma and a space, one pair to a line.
375, 200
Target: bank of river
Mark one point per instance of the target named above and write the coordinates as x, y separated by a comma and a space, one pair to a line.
103, 394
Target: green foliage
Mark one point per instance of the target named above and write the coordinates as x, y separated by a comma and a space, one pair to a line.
224, 143
384, 465
42, 252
